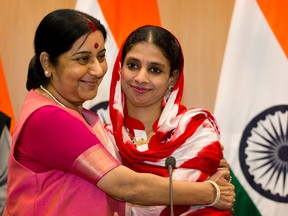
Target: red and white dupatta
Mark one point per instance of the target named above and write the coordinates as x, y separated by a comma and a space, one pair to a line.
190, 135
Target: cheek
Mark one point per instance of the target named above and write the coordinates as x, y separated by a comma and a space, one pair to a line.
162, 87
126, 74
124, 84
58, 76
162, 83
104, 67
68, 71
123, 77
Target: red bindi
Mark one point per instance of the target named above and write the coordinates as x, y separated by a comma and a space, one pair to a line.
96, 45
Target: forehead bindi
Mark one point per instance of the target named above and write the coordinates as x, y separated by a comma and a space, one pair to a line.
94, 41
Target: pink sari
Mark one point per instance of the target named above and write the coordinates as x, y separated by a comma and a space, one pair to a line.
57, 192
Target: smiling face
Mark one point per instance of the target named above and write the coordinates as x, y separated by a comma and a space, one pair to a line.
145, 76
78, 73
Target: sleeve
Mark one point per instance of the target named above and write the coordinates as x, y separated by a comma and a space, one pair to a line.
54, 139
200, 154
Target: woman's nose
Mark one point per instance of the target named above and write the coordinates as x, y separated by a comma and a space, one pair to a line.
95, 68
141, 75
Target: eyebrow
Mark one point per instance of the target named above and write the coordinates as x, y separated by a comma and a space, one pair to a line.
88, 52
151, 63
132, 59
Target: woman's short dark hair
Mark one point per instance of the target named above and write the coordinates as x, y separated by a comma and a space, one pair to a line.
55, 35
160, 37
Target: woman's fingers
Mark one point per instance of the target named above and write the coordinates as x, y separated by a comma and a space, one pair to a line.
227, 193
224, 164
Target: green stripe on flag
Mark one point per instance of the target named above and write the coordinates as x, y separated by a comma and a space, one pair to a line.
243, 206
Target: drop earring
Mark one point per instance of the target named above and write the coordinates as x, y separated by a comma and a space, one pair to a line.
168, 92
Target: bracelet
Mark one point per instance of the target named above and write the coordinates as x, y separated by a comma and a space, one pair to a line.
217, 193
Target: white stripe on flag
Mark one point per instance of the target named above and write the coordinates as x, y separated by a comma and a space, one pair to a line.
252, 98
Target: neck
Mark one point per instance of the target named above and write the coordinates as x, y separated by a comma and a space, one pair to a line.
147, 115
51, 96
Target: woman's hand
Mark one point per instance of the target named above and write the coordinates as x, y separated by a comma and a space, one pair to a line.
227, 193
224, 168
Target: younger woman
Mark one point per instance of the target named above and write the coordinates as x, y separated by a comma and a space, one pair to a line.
148, 122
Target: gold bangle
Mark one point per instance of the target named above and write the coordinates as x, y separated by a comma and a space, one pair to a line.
217, 193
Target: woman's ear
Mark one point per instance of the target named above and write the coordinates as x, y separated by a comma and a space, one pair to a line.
174, 77
44, 60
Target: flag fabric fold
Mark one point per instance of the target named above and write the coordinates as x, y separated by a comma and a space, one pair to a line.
252, 106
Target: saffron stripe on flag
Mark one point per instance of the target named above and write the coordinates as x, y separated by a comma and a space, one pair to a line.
277, 17
5, 102
252, 106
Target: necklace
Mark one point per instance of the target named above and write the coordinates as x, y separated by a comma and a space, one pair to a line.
139, 142
55, 99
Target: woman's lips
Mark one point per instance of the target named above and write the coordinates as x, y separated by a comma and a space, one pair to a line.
140, 90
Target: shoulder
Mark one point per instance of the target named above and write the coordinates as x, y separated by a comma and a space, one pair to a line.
202, 114
50, 112
54, 117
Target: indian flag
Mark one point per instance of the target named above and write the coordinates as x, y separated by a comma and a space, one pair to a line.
5, 102
252, 106
120, 18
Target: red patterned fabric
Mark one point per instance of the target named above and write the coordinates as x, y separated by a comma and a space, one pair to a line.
190, 135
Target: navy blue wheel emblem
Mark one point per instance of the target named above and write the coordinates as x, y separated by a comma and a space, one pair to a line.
263, 153
102, 110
